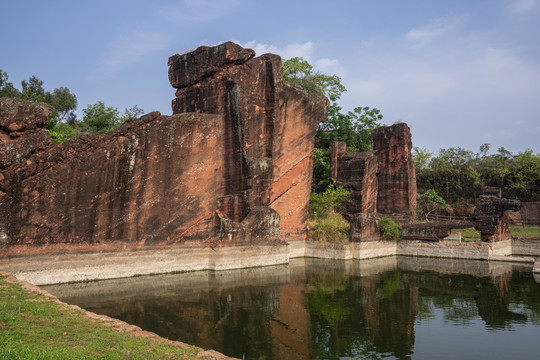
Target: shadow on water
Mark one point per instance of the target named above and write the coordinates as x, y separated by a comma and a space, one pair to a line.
395, 307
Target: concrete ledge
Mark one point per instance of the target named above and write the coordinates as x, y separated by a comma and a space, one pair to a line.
76, 267
536, 267
55, 269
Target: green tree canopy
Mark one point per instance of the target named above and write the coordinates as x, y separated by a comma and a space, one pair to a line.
353, 127
98, 118
299, 71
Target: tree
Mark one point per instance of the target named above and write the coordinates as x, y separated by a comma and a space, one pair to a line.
33, 89
430, 202
98, 118
132, 113
421, 158
299, 71
63, 101
6, 88
353, 127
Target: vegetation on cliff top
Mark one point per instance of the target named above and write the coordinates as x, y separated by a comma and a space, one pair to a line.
33, 326
353, 127
63, 123
459, 175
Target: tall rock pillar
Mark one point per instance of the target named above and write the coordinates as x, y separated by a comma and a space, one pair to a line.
396, 176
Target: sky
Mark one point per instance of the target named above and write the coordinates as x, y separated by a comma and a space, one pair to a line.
460, 73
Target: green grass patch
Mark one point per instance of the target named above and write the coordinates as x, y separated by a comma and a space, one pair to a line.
390, 230
525, 231
32, 326
330, 227
468, 234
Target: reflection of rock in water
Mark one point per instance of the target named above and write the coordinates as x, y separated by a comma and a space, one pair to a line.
314, 308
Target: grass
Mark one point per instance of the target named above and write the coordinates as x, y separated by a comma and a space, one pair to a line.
330, 227
517, 231
468, 234
33, 326
525, 231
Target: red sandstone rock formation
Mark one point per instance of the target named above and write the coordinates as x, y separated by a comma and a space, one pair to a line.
396, 176
232, 160
356, 173
491, 215
269, 128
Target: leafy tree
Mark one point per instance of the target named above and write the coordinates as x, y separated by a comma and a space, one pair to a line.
299, 71
353, 127
98, 118
6, 88
421, 158
430, 202
33, 87
63, 101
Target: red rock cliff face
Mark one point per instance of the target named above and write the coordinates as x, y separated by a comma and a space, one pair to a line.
269, 128
396, 176
232, 160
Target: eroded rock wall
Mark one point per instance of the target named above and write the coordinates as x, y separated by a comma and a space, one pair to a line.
356, 173
396, 176
269, 128
233, 159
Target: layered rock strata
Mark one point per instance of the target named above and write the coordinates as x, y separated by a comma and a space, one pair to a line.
356, 173
397, 192
269, 128
233, 159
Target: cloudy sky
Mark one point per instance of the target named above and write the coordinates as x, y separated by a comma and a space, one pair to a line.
460, 73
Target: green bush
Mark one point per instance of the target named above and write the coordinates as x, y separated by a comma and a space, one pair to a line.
331, 200
389, 229
330, 228
62, 132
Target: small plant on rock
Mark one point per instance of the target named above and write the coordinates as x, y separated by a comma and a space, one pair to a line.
390, 230
325, 221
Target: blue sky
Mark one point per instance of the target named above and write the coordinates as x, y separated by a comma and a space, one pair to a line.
460, 73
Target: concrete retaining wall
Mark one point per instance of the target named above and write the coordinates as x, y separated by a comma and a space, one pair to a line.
54, 269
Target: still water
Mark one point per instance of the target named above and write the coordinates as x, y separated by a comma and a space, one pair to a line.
389, 308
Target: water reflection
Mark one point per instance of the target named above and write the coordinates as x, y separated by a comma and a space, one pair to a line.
322, 309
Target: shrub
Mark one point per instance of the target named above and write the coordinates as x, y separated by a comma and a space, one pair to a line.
430, 203
331, 200
330, 228
389, 229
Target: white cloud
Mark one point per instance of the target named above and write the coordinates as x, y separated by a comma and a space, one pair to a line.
304, 50
435, 28
522, 6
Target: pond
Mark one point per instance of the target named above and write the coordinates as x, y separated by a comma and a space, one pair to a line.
388, 308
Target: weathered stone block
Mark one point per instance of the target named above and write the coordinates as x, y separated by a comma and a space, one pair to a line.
356, 173
396, 176
364, 228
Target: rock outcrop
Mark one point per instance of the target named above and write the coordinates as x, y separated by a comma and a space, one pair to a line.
491, 215
396, 176
233, 159
269, 128
356, 173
